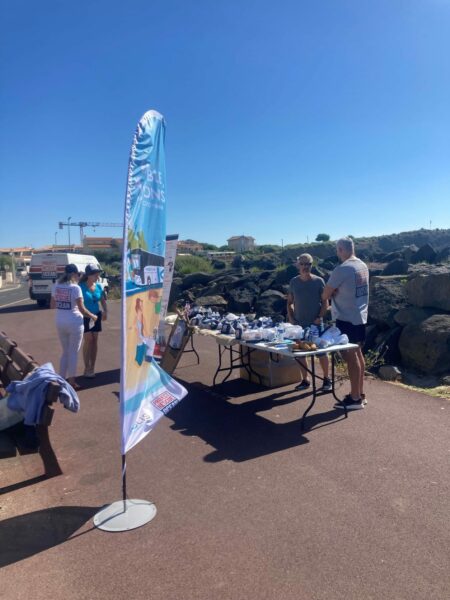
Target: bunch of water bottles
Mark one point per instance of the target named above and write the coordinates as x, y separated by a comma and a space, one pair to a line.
262, 328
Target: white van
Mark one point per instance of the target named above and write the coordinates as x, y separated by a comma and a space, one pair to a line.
47, 267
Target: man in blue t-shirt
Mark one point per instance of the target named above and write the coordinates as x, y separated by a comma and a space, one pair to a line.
348, 290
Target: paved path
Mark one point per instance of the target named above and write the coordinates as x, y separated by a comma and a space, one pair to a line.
248, 507
11, 295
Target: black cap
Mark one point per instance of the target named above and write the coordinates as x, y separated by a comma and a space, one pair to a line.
92, 269
71, 268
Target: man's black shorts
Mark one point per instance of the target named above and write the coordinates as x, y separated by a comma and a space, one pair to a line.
356, 333
96, 327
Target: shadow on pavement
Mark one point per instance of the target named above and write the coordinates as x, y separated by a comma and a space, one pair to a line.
20, 308
26, 535
7, 489
101, 378
237, 431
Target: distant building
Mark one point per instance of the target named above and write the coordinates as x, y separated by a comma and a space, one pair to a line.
22, 255
102, 243
241, 243
222, 255
188, 247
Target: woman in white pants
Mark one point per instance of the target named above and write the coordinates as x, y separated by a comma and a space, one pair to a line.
67, 298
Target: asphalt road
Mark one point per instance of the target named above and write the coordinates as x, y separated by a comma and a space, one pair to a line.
249, 507
14, 294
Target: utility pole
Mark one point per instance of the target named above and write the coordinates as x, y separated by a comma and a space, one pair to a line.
56, 233
13, 267
68, 228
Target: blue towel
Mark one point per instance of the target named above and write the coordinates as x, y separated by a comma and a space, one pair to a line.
29, 394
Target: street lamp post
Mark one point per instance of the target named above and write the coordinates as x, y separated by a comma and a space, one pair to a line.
56, 233
13, 267
68, 227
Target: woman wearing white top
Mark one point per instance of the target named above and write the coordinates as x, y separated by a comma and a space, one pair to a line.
67, 298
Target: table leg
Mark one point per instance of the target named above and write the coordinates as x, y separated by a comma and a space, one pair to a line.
333, 390
192, 349
314, 394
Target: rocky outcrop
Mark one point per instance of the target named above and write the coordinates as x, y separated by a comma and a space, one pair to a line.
271, 303
409, 308
398, 266
387, 297
430, 291
425, 346
425, 253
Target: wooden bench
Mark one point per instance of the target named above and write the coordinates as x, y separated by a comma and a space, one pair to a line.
15, 364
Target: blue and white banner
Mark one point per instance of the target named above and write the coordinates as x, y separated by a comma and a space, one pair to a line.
146, 391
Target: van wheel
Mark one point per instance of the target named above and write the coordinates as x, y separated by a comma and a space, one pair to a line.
42, 303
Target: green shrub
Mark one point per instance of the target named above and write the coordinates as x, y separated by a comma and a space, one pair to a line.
185, 265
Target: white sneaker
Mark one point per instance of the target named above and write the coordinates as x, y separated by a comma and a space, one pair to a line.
89, 374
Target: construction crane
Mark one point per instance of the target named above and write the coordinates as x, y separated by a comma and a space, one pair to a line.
83, 224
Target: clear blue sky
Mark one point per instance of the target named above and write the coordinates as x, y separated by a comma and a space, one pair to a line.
284, 119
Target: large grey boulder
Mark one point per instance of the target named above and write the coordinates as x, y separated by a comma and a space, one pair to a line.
398, 266
425, 253
443, 255
285, 275
431, 291
413, 314
425, 346
242, 299
387, 296
200, 278
409, 252
271, 303
215, 302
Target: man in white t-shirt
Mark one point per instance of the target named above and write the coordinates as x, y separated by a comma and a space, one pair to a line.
348, 290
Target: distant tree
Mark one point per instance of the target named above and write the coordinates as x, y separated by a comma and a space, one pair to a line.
5, 262
211, 247
323, 237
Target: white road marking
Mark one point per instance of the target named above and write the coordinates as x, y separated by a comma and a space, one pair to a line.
11, 303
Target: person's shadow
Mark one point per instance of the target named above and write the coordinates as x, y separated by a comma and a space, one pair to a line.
26, 535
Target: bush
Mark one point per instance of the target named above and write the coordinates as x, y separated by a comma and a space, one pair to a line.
184, 265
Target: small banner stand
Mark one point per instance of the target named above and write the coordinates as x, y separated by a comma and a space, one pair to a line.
125, 514
147, 392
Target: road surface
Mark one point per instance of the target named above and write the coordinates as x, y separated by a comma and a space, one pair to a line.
249, 507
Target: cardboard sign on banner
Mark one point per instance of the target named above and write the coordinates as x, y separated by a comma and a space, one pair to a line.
179, 337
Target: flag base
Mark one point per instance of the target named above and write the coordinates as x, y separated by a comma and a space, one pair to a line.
120, 516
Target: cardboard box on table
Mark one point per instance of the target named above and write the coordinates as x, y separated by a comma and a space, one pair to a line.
283, 370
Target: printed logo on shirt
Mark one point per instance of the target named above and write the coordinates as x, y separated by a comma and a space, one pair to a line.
361, 282
62, 298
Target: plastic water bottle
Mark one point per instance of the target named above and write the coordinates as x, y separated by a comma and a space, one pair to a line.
280, 332
239, 330
321, 326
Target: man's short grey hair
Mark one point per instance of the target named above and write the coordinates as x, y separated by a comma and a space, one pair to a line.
346, 244
305, 256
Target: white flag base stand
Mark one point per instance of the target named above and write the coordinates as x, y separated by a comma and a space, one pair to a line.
125, 515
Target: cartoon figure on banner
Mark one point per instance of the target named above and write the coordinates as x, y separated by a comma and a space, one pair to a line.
145, 345
155, 298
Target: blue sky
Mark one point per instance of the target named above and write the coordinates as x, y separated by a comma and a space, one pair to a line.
284, 119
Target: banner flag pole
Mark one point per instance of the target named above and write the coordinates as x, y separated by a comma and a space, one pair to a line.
147, 393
